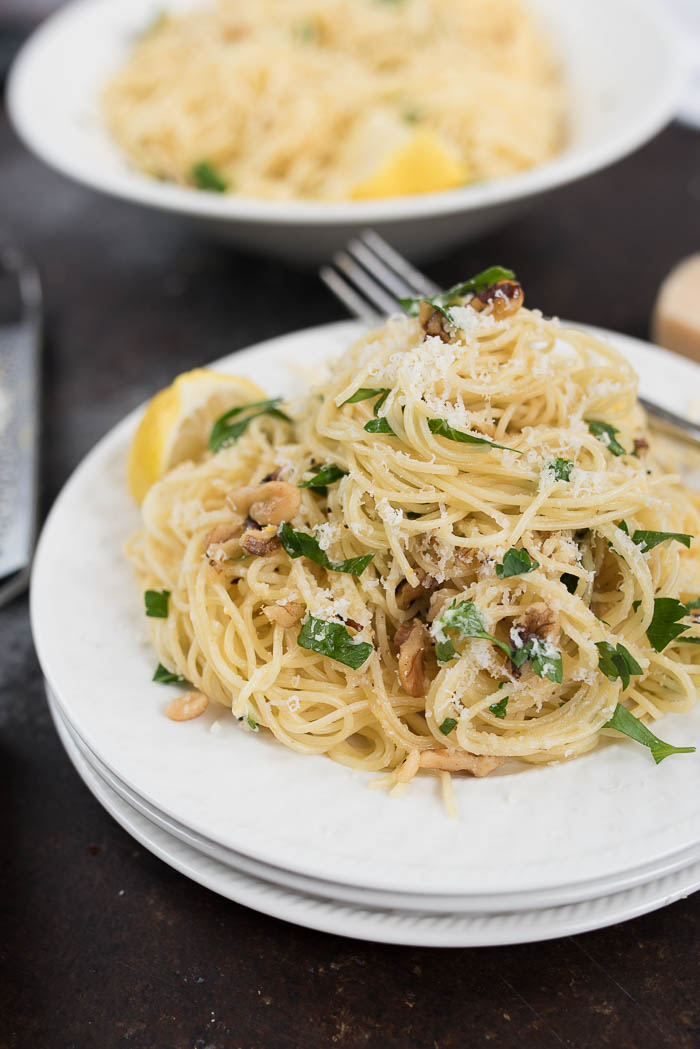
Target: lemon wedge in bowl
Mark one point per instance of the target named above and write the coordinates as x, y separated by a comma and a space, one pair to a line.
177, 423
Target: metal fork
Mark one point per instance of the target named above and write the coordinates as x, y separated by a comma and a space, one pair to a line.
369, 277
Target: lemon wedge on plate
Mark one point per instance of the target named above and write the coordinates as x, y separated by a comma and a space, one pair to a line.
177, 423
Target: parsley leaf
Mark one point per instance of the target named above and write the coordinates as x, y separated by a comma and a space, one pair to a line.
452, 296
166, 677
605, 432
378, 426
631, 726
561, 468
225, 432
252, 723
363, 394
499, 709
570, 581
664, 626
443, 429
205, 176
516, 562
648, 540
545, 658
156, 602
412, 515
468, 621
617, 662
447, 726
334, 641
301, 544
325, 476
692, 605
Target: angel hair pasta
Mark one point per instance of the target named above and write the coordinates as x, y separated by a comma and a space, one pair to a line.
459, 549
338, 99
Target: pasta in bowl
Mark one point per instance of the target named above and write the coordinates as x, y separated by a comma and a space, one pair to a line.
460, 549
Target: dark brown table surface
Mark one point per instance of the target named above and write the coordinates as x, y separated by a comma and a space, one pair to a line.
102, 944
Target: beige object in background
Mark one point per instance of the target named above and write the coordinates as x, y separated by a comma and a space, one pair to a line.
675, 322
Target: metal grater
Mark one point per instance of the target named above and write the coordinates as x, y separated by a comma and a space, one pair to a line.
20, 388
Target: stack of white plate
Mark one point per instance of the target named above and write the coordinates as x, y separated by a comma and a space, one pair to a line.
533, 854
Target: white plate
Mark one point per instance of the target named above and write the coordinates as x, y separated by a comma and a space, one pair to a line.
365, 923
482, 904
624, 70
608, 813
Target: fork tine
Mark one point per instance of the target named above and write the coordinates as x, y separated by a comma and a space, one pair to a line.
353, 302
420, 284
371, 288
378, 268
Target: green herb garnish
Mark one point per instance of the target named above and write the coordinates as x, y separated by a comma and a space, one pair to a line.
516, 562
466, 619
561, 468
156, 602
570, 581
443, 429
631, 726
499, 709
325, 476
301, 544
605, 433
665, 626
225, 432
447, 726
252, 723
166, 677
334, 641
412, 515
205, 176
451, 297
379, 426
363, 394
648, 540
542, 655
616, 662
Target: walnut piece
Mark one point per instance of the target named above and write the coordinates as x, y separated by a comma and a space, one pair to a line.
407, 594
432, 321
411, 641
260, 541
269, 503
459, 761
502, 299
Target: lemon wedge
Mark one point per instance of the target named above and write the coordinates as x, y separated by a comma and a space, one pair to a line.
423, 164
177, 423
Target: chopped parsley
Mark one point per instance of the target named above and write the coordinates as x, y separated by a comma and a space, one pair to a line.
648, 540
516, 562
665, 625
301, 544
333, 640
325, 476
605, 432
447, 726
466, 619
166, 677
499, 709
376, 425
205, 176
616, 662
474, 285
226, 432
443, 429
570, 581
544, 658
412, 515
631, 726
561, 468
156, 602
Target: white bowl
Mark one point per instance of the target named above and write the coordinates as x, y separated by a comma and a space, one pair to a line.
624, 71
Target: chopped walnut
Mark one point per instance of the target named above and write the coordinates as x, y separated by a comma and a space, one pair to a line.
407, 594
222, 542
432, 321
411, 641
271, 502
285, 615
538, 621
503, 298
459, 761
260, 541
641, 445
